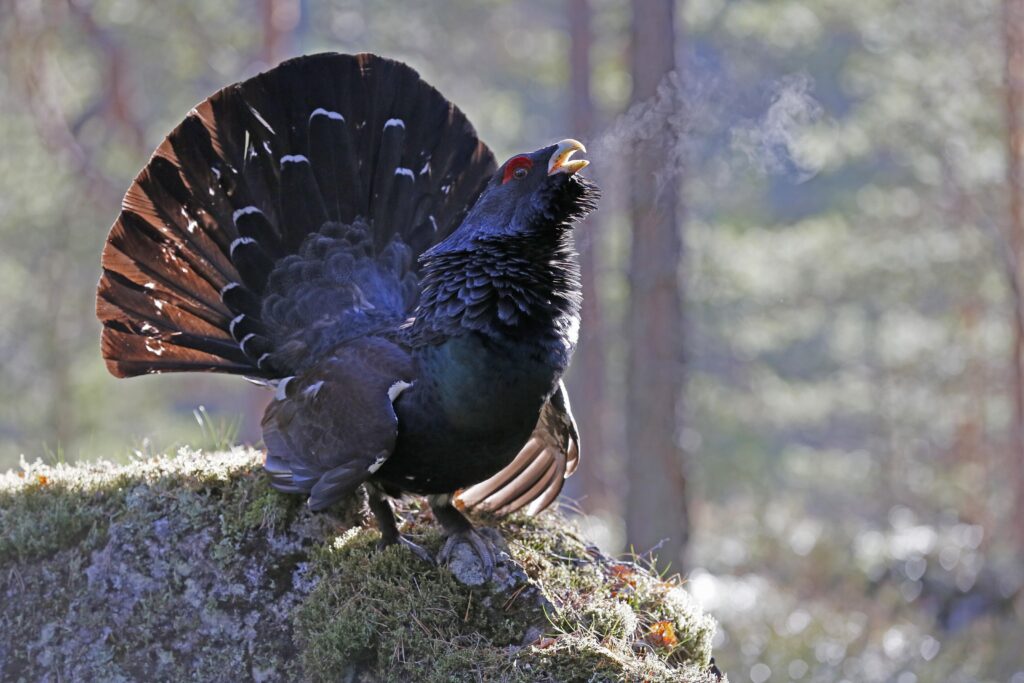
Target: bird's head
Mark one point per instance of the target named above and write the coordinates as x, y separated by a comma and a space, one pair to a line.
530, 194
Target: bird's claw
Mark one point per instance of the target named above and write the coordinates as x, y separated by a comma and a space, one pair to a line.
417, 550
485, 548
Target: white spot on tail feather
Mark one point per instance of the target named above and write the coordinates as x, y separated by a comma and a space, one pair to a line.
320, 111
426, 167
293, 159
313, 389
227, 288
155, 346
239, 242
261, 359
376, 464
235, 321
244, 211
401, 170
394, 122
245, 339
282, 388
433, 222
192, 223
259, 117
396, 389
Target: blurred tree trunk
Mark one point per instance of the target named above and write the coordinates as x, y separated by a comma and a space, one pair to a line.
656, 509
280, 18
587, 380
1013, 26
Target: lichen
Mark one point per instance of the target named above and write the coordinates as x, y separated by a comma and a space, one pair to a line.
43, 510
192, 567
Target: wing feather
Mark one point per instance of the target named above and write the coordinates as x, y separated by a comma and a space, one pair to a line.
329, 429
535, 477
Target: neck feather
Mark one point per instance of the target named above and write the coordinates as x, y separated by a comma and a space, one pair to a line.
522, 287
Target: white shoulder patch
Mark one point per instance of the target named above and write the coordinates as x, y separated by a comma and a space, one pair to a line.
375, 465
396, 389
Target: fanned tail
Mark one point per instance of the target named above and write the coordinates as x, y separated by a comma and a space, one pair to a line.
283, 214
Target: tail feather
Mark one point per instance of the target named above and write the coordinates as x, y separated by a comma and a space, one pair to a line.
160, 198
212, 263
335, 165
161, 272
302, 209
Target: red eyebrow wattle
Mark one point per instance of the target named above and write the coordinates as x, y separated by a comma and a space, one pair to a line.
516, 163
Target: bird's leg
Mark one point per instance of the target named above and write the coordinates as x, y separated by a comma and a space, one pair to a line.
458, 530
389, 534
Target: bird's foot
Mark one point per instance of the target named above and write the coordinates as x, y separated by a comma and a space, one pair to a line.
472, 554
417, 550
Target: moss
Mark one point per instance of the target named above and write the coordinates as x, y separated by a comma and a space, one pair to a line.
607, 619
580, 659
43, 510
193, 567
394, 615
578, 615
250, 504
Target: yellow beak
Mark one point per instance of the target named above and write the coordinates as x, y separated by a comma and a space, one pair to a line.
560, 161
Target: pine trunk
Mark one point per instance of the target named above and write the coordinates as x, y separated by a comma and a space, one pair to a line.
656, 507
1013, 19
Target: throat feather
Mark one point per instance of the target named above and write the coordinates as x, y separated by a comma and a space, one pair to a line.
517, 288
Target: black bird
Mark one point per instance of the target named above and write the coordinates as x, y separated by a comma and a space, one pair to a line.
334, 229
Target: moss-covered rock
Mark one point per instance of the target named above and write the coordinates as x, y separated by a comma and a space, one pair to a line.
192, 567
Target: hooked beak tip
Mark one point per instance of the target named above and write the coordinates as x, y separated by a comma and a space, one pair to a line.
561, 161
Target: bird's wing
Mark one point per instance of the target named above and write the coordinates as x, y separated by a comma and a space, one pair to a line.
329, 429
536, 476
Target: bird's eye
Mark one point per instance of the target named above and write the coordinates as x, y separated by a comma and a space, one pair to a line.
518, 168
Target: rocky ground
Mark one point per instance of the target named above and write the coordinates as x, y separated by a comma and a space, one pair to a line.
191, 567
